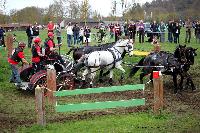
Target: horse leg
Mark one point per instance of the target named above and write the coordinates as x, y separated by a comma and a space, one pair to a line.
141, 77
181, 82
123, 71
100, 76
175, 83
189, 80
85, 73
111, 78
92, 75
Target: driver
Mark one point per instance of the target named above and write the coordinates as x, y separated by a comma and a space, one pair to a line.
50, 48
16, 57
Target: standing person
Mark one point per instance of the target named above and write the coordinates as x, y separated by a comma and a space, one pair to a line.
76, 30
58, 34
102, 32
132, 31
36, 30
36, 54
87, 35
81, 34
162, 29
50, 26
154, 29
170, 31
117, 32
2, 33
176, 32
126, 28
69, 34
141, 31
112, 30
197, 27
29, 33
188, 26
16, 57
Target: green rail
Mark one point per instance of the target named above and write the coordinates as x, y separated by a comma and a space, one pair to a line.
99, 105
99, 90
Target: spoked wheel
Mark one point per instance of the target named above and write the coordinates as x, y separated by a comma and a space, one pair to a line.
65, 82
42, 82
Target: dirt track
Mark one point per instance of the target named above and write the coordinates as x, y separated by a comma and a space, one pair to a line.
186, 101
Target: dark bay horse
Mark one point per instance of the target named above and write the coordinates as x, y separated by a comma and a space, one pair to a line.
190, 54
170, 64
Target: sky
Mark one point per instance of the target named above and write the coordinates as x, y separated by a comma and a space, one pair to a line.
102, 6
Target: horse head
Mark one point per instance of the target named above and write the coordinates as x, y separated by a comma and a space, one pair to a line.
125, 46
190, 54
180, 53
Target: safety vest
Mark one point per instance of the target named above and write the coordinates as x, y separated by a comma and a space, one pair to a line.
15, 56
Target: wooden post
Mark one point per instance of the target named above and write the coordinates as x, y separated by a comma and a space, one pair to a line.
40, 107
158, 91
9, 44
51, 85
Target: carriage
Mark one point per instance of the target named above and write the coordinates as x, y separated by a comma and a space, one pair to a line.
64, 76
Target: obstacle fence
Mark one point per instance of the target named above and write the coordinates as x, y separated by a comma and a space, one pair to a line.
74, 107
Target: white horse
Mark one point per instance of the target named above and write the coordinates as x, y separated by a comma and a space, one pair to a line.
107, 60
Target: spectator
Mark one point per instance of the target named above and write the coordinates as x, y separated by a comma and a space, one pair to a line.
35, 29
2, 33
69, 34
141, 31
154, 29
117, 32
126, 28
162, 29
16, 57
112, 30
101, 32
87, 35
76, 30
176, 32
188, 26
170, 31
132, 31
50, 26
58, 34
29, 33
81, 34
197, 27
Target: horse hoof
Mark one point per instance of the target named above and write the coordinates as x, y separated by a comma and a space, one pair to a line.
110, 81
101, 80
91, 85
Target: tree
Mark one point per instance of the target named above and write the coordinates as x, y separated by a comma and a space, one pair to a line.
85, 11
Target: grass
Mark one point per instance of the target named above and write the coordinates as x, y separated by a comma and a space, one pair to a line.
18, 109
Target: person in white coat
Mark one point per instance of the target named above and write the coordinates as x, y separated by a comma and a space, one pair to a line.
69, 34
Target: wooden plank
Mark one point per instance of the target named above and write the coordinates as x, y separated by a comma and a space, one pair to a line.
99, 90
99, 105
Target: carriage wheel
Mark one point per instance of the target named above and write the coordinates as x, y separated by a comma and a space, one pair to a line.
42, 82
65, 82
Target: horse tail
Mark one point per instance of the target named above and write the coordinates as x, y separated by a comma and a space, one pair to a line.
134, 69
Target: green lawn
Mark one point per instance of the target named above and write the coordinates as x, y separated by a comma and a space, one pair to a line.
17, 111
